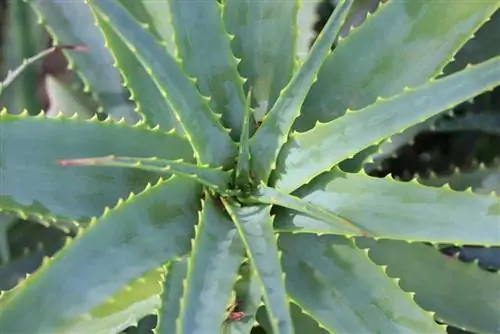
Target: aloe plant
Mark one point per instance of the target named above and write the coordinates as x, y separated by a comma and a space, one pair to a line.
215, 218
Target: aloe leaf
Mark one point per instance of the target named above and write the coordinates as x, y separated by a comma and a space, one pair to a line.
137, 236
337, 285
124, 309
156, 15
265, 34
272, 134
301, 321
173, 288
212, 270
243, 164
441, 284
216, 179
211, 142
148, 97
249, 296
484, 45
95, 68
392, 62
6, 221
254, 224
63, 100
199, 30
394, 210
34, 183
271, 196
20, 34
309, 153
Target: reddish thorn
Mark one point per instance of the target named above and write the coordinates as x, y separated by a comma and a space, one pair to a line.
236, 316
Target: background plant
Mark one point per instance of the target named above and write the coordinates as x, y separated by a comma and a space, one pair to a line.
247, 47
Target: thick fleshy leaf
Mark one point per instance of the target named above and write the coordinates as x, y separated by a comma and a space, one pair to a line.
33, 182
249, 297
211, 142
95, 68
243, 165
301, 321
212, 270
308, 154
273, 133
216, 179
199, 30
148, 97
336, 284
133, 302
397, 210
173, 288
254, 224
137, 236
488, 122
156, 15
265, 37
271, 196
484, 45
21, 40
347, 82
442, 284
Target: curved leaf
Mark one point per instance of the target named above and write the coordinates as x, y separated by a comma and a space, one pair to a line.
270, 137
95, 68
64, 101
32, 182
216, 179
243, 165
254, 223
337, 285
211, 142
271, 196
401, 58
199, 30
212, 270
249, 297
310, 153
147, 95
442, 284
173, 288
397, 210
137, 236
265, 34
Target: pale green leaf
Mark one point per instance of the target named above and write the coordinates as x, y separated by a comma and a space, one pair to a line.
63, 100
171, 296
397, 210
397, 41
265, 34
254, 223
337, 285
34, 183
273, 133
301, 321
243, 165
308, 154
95, 68
148, 97
216, 179
211, 142
137, 236
460, 293
212, 270
204, 47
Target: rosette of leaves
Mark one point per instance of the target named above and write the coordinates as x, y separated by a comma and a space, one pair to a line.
215, 219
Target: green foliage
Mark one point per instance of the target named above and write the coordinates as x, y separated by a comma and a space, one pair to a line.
192, 214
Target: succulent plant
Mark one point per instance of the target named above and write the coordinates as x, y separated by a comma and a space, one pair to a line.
225, 205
